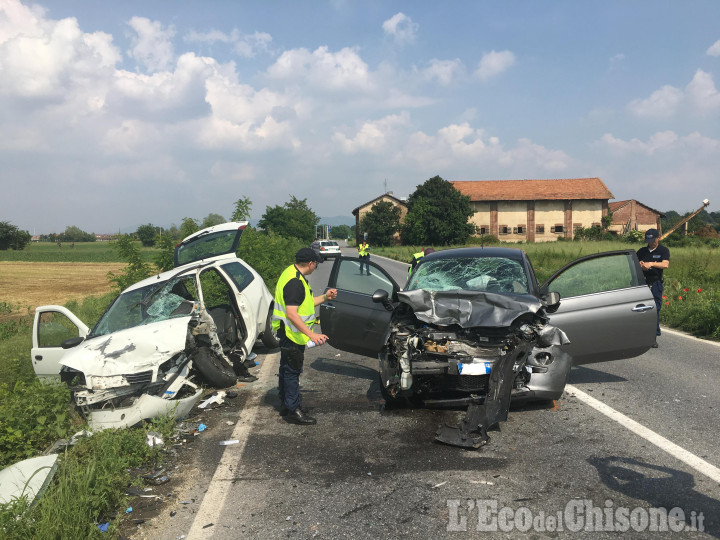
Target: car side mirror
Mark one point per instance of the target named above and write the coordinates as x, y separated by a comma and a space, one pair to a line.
381, 297
72, 342
551, 300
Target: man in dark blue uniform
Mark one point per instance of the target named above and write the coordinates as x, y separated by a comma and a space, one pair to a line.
653, 260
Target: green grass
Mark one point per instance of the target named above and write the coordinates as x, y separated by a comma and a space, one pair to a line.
47, 252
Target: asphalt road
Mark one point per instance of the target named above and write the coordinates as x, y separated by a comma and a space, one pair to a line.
553, 471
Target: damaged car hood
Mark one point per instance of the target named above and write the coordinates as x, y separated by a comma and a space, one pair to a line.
468, 308
135, 349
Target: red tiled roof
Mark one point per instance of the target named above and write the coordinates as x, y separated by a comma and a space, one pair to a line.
534, 190
615, 206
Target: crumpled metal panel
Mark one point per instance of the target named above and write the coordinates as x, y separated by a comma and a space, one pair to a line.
129, 351
468, 308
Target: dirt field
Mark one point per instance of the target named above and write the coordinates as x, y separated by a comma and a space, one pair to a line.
24, 284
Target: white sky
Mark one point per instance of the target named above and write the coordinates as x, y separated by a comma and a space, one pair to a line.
117, 114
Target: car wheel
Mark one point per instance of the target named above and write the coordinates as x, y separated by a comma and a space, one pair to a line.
268, 338
213, 368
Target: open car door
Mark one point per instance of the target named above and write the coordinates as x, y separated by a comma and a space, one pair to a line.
352, 321
606, 309
52, 326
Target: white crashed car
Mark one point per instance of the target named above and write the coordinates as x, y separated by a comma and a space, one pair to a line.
162, 336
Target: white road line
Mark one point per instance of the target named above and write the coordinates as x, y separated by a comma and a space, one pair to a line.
680, 333
699, 464
214, 499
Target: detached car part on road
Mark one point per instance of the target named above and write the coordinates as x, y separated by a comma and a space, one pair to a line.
473, 327
142, 357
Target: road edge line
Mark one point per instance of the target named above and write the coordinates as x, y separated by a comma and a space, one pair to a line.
678, 452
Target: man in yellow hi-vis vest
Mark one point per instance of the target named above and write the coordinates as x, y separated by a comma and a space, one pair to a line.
364, 255
293, 319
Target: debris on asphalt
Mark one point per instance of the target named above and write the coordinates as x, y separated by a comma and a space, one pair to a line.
217, 397
154, 439
232, 441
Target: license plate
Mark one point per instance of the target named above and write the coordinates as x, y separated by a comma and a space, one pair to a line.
479, 368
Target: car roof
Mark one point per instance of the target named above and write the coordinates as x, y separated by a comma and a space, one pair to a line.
474, 252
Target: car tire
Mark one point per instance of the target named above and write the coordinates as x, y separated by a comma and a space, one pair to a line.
213, 368
268, 338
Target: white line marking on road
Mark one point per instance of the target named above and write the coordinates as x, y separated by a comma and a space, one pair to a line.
214, 499
699, 464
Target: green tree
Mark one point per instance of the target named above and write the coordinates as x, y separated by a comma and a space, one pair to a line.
242, 209
292, 220
75, 234
11, 237
188, 227
268, 253
146, 234
438, 214
381, 223
136, 270
212, 219
164, 258
340, 231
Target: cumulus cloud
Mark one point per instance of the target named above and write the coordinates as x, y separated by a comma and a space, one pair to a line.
322, 69
459, 147
373, 136
702, 92
700, 95
661, 141
401, 28
244, 45
152, 45
661, 103
494, 63
714, 49
445, 72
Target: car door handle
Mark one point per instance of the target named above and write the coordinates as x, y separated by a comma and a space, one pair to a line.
642, 308
329, 306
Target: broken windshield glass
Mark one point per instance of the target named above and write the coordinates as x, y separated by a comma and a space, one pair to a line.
487, 274
175, 298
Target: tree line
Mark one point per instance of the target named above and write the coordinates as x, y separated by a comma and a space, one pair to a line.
437, 214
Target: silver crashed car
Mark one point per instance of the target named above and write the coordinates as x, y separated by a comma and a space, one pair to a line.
160, 338
474, 327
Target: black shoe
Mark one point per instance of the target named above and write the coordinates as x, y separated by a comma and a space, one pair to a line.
299, 417
284, 410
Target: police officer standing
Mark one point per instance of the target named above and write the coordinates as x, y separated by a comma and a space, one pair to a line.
293, 319
364, 254
653, 260
416, 258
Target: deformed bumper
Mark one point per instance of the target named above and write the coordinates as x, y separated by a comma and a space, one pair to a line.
143, 408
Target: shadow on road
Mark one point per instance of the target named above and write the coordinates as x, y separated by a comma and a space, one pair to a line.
660, 487
581, 374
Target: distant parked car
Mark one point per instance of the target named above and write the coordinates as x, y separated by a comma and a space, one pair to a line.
200, 319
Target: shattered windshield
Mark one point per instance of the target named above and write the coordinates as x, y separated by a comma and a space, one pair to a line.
489, 274
157, 302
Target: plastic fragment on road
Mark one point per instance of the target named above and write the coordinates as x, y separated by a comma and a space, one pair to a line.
104, 526
217, 397
202, 427
154, 439
129, 509
227, 443
27, 478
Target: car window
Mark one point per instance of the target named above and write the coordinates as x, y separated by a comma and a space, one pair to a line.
590, 276
157, 302
490, 274
54, 328
239, 274
350, 279
206, 246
